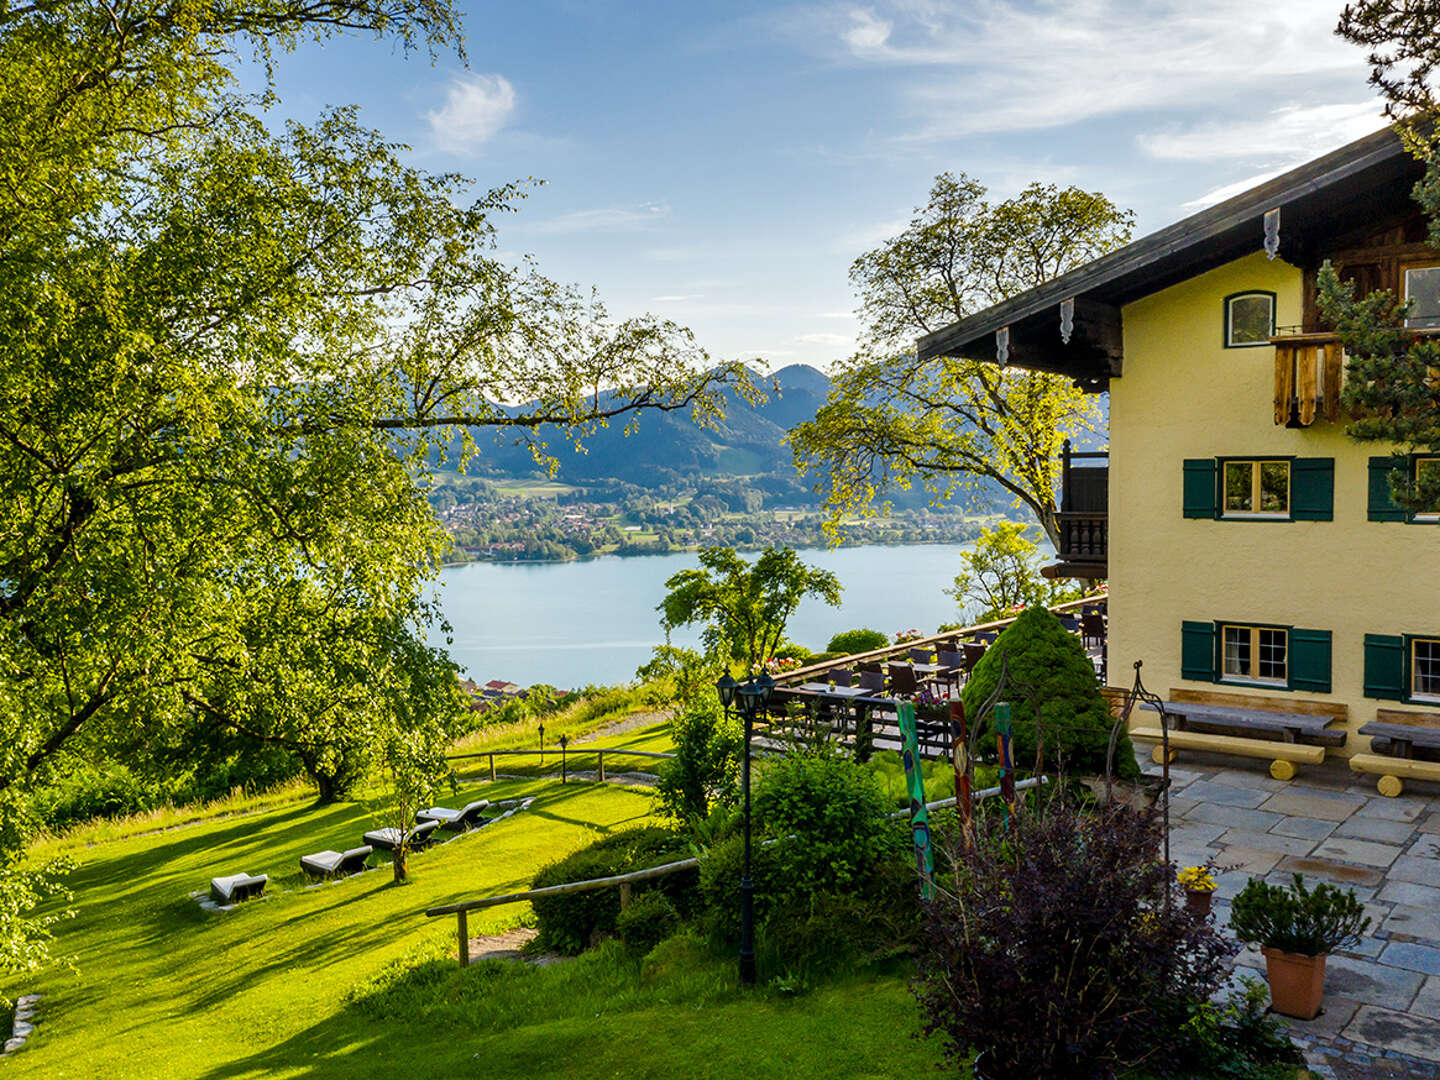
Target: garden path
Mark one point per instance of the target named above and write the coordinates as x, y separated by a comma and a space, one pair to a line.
1382, 997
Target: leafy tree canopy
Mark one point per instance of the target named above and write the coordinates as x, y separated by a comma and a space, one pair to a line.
1392, 383
1000, 574
227, 344
743, 606
948, 424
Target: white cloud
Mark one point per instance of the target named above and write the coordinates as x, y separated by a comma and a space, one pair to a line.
676, 299
836, 315
1292, 133
605, 219
823, 338
987, 66
476, 108
1226, 191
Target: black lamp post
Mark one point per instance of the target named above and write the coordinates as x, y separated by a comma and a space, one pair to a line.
752, 698
541, 726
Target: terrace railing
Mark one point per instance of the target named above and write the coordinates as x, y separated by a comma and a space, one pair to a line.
565, 753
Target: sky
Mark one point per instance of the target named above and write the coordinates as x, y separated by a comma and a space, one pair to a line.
722, 164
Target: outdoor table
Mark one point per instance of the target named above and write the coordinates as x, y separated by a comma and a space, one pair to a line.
1403, 738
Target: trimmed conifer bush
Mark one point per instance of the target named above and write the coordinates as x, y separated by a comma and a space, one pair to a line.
1043, 657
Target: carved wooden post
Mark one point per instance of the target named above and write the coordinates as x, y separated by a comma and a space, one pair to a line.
624, 895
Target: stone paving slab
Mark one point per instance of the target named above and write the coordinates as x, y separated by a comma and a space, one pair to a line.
1336, 873
1325, 805
1426, 847
1427, 1002
1413, 923
1304, 827
1364, 852
1415, 868
1398, 1031
1430, 824
1404, 808
1216, 794
1412, 956
1373, 828
1410, 894
1233, 817
1372, 983
1266, 841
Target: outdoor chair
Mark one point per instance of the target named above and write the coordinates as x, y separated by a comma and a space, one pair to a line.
390, 838
840, 677
237, 887
333, 864
986, 637
954, 664
920, 656
462, 820
872, 680
902, 680
871, 665
1092, 629
1069, 622
973, 653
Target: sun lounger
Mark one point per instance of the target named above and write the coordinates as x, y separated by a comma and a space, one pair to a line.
328, 864
388, 839
462, 820
237, 887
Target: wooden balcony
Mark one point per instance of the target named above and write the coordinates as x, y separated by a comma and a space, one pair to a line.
1084, 515
1309, 368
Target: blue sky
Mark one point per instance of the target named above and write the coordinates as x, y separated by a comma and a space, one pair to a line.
722, 164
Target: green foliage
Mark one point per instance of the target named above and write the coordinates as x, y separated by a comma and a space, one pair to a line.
649, 920
705, 771
744, 606
892, 421
24, 935
230, 342
850, 642
1043, 659
1236, 1039
687, 672
1000, 575
827, 814
570, 923
1296, 919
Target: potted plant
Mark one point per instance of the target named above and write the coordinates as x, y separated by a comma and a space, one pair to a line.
1199, 885
1297, 928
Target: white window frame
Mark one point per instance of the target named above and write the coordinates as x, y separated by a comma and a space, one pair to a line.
1414, 694
1230, 301
1432, 320
1254, 631
1255, 489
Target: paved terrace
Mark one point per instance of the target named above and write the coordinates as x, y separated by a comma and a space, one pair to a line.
1382, 998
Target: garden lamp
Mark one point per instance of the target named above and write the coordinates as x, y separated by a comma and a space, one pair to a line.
726, 689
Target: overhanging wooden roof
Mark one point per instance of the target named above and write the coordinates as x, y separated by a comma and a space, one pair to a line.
1327, 196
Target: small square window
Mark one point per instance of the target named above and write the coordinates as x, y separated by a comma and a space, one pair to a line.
1422, 289
1249, 319
1425, 668
1261, 488
1255, 654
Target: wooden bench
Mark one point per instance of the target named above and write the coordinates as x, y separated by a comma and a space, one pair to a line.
1288, 731
1395, 737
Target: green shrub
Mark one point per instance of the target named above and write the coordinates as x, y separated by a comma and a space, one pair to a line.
705, 771
792, 650
1236, 1039
1043, 658
648, 920
721, 867
1295, 919
849, 642
87, 792
570, 923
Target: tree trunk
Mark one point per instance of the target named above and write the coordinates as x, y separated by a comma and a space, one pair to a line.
397, 863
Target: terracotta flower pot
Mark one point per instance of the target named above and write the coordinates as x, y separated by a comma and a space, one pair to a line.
1297, 983
1198, 900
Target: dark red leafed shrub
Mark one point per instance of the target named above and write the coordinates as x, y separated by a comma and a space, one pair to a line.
1053, 946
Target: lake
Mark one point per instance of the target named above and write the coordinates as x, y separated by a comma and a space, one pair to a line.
594, 620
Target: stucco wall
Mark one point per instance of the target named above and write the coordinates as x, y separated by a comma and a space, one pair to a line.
1183, 395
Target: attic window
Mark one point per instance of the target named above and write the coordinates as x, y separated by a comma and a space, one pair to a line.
1422, 289
1249, 319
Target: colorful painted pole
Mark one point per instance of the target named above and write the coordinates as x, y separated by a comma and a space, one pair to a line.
1004, 750
960, 755
915, 782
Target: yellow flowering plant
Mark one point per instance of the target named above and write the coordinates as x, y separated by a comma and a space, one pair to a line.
1197, 879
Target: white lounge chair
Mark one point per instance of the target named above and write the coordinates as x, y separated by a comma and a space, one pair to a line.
237, 887
328, 864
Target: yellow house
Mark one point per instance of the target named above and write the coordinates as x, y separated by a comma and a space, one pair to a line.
1257, 565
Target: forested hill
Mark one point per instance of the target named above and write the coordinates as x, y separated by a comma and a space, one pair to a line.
669, 447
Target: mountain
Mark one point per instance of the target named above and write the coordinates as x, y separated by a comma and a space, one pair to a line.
669, 446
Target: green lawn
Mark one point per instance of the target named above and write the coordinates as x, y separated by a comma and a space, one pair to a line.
350, 980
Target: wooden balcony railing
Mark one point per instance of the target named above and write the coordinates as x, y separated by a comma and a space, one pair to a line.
1083, 537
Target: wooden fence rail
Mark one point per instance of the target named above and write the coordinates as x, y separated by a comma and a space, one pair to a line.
564, 752
625, 881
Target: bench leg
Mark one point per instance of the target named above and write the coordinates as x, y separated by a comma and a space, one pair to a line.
1157, 754
1390, 786
1281, 769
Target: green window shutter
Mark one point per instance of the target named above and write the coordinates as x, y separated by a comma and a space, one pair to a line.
1385, 666
1312, 489
1310, 660
1197, 651
1199, 487
1382, 506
